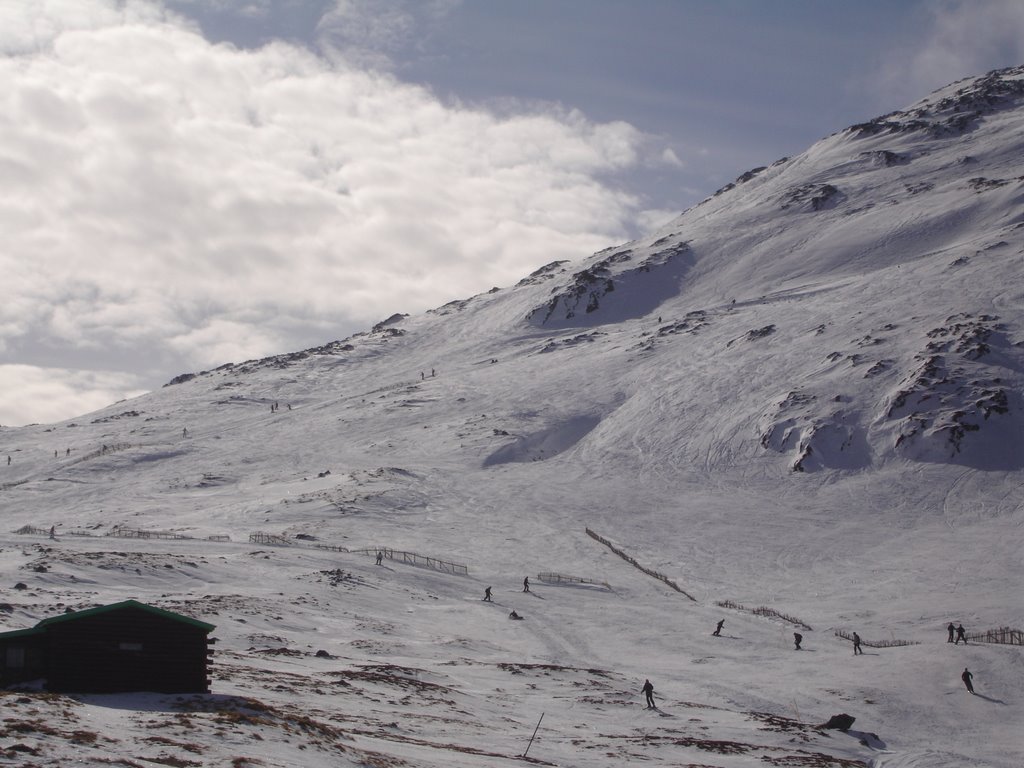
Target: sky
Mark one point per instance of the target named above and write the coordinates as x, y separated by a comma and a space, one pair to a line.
188, 183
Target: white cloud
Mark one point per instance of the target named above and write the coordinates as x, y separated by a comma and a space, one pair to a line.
44, 395
655, 218
670, 158
26, 27
961, 38
168, 197
369, 32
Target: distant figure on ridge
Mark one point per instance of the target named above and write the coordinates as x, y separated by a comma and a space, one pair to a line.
184, 431
526, 584
856, 644
53, 532
718, 628
960, 635
966, 677
648, 691
380, 558
487, 595
797, 639
952, 630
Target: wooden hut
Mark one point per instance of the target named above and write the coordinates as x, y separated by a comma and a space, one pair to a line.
127, 646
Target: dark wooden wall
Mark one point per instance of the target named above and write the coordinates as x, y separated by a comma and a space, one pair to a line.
87, 655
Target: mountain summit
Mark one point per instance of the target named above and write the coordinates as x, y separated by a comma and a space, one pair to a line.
803, 393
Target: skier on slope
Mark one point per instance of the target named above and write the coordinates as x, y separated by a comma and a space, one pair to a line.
966, 677
856, 644
960, 634
526, 584
487, 595
797, 639
648, 691
718, 628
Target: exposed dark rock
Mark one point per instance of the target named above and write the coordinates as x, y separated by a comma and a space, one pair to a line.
841, 722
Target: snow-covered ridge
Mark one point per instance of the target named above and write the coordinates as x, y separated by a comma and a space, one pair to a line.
917, 224
954, 109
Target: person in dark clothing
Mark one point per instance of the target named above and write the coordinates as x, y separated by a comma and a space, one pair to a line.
380, 558
967, 677
797, 639
960, 635
718, 628
526, 584
487, 595
648, 691
515, 616
952, 630
856, 644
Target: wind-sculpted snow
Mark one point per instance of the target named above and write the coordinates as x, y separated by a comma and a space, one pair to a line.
545, 444
951, 402
816, 435
609, 291
803, 394
955, 405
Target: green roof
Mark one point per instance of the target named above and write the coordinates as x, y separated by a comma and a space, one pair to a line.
20, 633
42, 625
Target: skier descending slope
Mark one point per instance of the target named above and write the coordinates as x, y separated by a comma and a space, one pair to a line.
967, 678
648, 691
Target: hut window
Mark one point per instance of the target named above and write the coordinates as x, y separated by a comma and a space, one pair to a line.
130, 646
15, 657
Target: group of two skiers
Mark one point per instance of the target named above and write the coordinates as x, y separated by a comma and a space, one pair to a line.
487, 591
797, 637
958, 631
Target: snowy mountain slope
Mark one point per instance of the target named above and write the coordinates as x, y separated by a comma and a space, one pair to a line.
804, 393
